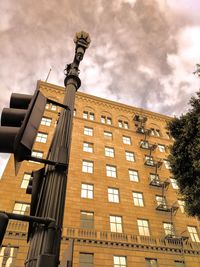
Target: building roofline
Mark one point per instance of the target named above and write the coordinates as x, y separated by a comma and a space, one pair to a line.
111, 102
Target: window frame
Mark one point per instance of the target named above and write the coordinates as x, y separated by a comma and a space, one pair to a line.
162, 148
88, 131
109, 151
22, 209
119, 261
169, 230
111, 169
138, 199
130, 156
113, 196
114, 224
126, 140
84, 221
149, 264
41, 137
88, 191
132, 175
88, 147
194, 236
25, 181
143, 228
46, 121
82, 262
88, 167
174, 183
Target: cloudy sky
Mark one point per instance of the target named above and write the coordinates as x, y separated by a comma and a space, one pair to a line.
143, 52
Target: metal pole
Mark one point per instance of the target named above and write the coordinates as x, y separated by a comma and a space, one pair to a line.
45, 242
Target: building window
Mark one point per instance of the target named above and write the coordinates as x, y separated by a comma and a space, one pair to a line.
161, 201
179, 264
133, 175
41, 137
47, 106
143, 227
37, 154
86, 259
87, 166
126, 140
109, 120
91, 116
88, 131
111, 171
53, 107
130, 156
85, 115
181, 205
119, 261
113, 195
123, 124
116, 224
161, 148
144, 144
108, 134
8, 256
138, 199
87, 220
109, 152
21, 208
169, 229
88, 147
50, 106
193, 233
106, 120
155, 132
26, 179
154, 178
88, 115
46, 121
126, 126
151, 262
87, 191
168, 135
149, 160
120, 124
74, 113
174, 183
167, 164
103, 119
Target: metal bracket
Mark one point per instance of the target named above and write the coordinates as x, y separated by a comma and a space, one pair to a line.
47, 161
57, 104
27, 218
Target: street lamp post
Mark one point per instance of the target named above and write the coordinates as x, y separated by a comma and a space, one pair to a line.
45, 241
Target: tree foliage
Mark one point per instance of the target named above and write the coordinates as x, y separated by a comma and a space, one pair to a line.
185, 155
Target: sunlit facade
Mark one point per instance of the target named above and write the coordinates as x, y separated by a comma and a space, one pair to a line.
123, 207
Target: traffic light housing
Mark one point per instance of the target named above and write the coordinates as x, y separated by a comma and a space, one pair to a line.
3, 225
34, 188
20, 123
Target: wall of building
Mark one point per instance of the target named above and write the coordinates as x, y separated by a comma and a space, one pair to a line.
99, 240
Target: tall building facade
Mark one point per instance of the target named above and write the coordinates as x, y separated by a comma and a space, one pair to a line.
123, 207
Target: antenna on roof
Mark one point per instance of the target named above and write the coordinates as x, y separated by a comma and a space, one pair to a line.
48, 75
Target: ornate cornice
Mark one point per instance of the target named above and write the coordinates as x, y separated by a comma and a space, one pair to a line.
108, 104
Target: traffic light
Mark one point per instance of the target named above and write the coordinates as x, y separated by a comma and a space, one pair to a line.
20, 123
34, 188
3, 226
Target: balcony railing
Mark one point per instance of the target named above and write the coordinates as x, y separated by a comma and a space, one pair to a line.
165, 241
163, 207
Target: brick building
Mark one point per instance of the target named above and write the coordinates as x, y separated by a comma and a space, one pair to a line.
123, 207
